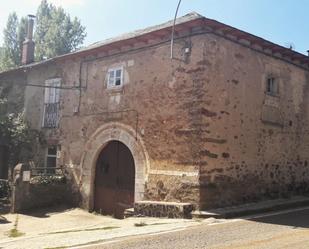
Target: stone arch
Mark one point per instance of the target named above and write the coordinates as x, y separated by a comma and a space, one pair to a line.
96, 143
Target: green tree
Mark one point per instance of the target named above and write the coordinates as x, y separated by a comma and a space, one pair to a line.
1, 56
11, 48
56, 33
21, 35
16, 134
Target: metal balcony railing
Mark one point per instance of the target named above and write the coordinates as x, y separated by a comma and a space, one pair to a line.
47, 171
51, 115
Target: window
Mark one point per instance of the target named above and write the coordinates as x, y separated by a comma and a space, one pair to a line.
272, 87
51, 103
51, 160
115, 77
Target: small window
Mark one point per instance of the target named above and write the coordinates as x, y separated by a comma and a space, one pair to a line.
51, 157
115, 78
272, 87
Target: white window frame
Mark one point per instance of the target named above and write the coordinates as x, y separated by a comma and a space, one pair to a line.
272, 86
51, 155
111, 81
51, 96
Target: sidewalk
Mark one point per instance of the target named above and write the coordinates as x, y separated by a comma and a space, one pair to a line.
76, 227
71, 228
253, 208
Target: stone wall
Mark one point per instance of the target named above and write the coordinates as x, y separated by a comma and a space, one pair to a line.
163, 209
28, 195
250, 155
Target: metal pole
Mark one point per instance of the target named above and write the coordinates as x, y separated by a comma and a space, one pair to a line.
173, 30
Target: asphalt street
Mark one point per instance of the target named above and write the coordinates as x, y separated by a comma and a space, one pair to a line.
287, 229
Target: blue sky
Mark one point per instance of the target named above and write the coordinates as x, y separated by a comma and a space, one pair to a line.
280, 21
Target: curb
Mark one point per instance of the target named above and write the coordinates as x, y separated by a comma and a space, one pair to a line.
252, 208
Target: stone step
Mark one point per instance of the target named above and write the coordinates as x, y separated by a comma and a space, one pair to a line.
129, 212
204, 214
163, 209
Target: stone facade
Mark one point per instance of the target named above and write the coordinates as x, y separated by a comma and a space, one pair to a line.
201, 127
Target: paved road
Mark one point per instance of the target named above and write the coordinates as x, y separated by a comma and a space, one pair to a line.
289, 230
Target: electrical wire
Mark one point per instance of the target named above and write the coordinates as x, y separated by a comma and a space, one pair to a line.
173, 30
56, 87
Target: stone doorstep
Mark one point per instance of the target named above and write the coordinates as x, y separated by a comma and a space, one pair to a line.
252, 208
129, 212
163, 209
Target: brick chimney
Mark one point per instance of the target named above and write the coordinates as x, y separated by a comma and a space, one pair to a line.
28, 45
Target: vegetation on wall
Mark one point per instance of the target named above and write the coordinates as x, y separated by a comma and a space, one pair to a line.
16, 135
56, 33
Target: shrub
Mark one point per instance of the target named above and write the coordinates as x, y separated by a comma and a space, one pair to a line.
47, 180
4, 189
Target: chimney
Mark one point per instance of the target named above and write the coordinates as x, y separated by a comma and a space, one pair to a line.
308, 52
28, 45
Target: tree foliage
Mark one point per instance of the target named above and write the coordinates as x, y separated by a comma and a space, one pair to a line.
21, 35
16, 134
56, 33
11, 48
1, 56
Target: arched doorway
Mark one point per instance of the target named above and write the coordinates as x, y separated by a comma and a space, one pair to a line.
114, 179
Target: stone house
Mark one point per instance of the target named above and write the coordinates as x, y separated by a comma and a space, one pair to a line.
224, 120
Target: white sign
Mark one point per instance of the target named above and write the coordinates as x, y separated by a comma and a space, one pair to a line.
26, 176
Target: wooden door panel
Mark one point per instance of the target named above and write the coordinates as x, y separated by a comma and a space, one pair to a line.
105, 200
115, 179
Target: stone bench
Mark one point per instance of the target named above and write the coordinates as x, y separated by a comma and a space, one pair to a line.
163, 209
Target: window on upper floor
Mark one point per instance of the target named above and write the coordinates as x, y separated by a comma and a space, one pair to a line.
51, 103
115, 77
272, 86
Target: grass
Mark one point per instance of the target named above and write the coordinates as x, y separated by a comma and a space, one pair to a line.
14, 233
100, 228
158, 223
83, 230
140, 224
60, 247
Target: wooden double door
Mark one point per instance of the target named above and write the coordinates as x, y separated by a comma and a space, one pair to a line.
114, 180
